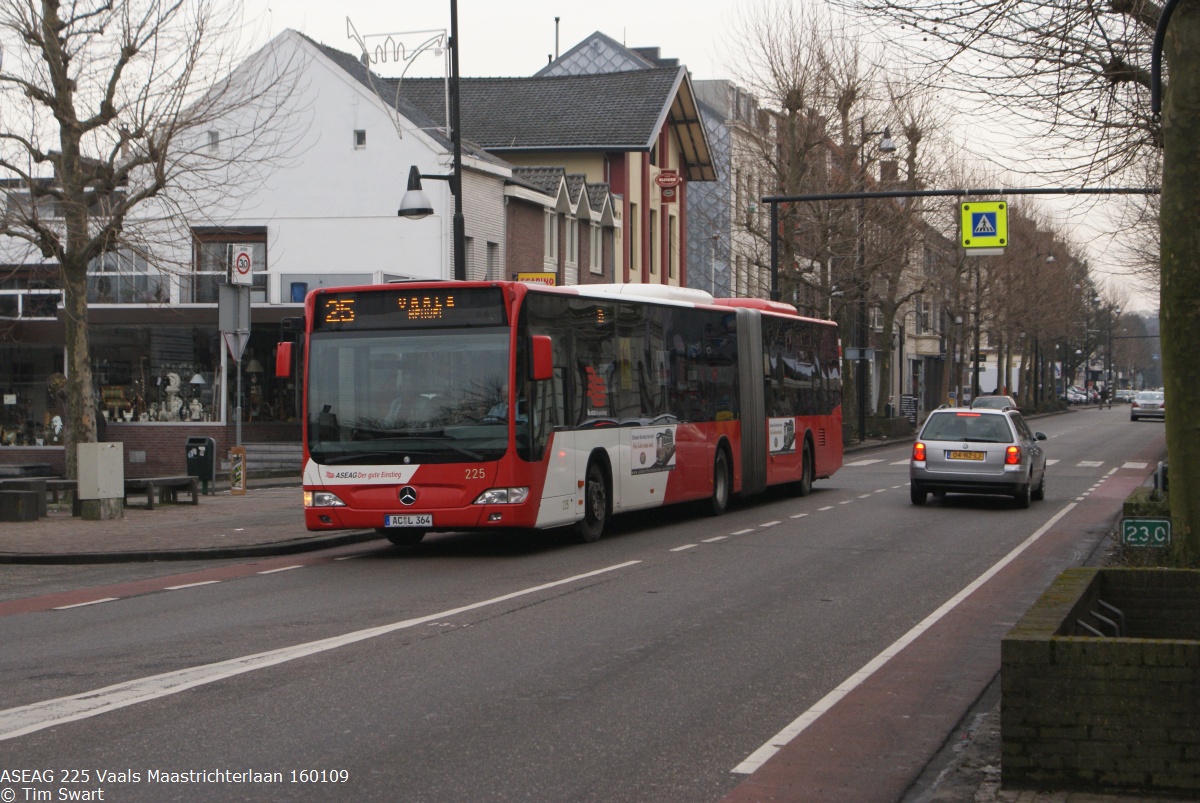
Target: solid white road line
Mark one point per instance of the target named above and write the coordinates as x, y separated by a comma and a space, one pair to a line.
191, 585
779, 740
85, 604
49, 713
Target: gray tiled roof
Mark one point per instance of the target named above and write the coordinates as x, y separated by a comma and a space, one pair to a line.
575, 182
549, 180
545, 179
597, 194
615, 111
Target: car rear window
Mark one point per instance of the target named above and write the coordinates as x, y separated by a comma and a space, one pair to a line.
967, 427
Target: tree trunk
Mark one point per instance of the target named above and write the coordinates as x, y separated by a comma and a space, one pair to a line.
1180, 292
80, 419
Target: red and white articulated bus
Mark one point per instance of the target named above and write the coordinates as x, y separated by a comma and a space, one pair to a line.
455, 406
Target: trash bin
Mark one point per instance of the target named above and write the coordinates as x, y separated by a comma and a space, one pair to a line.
202, 460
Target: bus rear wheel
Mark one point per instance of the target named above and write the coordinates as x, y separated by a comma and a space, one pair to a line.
595, 505
718, 503
804, 484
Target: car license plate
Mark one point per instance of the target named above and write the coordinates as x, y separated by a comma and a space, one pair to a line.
965, 455
417, 520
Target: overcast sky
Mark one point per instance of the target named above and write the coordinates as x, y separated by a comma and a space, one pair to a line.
515, 38
518, 37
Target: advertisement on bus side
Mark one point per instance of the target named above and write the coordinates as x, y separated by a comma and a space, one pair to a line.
782, 432
653, 449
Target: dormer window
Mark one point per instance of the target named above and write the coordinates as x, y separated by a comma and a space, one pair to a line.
360, 139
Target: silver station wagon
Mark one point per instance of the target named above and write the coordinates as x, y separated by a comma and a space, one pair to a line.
977, 451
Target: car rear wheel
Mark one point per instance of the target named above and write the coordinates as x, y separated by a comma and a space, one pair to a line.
917, 494
1039, 493
1024, 496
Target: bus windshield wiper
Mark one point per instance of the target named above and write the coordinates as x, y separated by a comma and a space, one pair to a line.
402, 440
350, 457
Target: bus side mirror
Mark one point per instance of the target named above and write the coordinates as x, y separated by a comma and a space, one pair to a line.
543, 358
283, 360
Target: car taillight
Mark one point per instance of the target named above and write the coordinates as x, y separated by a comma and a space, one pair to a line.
1012, 456
918, 451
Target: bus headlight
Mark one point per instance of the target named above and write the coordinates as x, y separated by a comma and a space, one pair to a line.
322, 499
503, 496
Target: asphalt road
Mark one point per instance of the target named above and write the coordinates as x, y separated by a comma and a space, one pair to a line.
646, 667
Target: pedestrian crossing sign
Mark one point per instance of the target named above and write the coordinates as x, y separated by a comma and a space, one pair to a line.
984, 225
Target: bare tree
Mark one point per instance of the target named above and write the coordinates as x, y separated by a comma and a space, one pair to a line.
1079, 72
118, 119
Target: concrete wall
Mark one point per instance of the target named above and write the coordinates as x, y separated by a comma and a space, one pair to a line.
1089, 713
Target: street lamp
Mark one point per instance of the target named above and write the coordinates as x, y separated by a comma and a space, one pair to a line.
919, 325
415, 203
1108, 369
886, 145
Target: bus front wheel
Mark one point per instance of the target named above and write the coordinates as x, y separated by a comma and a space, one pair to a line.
718, 503
402, 537
595, 505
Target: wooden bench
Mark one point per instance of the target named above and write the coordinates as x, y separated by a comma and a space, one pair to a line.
165, 488
59, 486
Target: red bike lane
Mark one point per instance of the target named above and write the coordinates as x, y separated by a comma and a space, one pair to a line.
872, 744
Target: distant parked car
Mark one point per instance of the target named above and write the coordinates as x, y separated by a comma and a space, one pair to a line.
1125, 394
1148, 404
1076, 396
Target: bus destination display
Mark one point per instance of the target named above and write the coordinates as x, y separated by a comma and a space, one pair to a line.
389, 308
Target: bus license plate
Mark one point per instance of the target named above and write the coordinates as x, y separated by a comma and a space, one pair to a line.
417, 520
965, 455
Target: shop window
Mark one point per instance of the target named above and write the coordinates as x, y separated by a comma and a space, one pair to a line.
165, 374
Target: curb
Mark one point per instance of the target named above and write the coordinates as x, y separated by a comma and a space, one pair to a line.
213, 553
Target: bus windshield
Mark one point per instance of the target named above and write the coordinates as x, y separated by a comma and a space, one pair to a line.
384, 397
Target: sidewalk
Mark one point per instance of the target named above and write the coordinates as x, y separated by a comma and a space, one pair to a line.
267, 520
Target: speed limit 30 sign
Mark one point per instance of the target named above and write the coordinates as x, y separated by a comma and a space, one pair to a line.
242, 262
